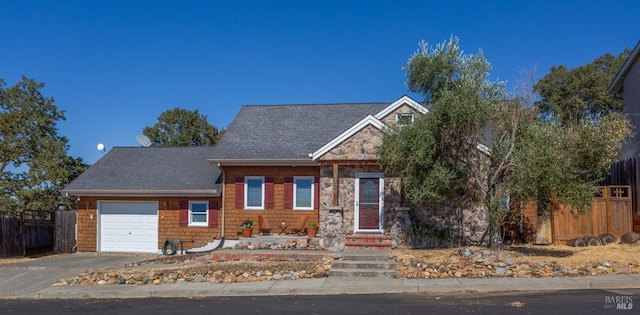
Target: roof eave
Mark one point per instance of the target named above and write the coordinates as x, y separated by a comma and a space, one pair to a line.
263, 162
143, 193
617, 83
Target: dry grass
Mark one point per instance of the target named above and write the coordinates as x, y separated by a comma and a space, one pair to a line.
564, 255
5, 261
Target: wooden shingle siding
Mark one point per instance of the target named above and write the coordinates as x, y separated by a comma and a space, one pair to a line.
282, 196
169, 217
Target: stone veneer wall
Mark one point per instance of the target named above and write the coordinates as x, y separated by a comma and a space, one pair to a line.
466, 226
337, 222
360, 147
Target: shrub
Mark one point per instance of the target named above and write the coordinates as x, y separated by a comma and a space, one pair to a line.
425, 235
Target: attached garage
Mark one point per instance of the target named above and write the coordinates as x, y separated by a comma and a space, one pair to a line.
130, 200
128, 226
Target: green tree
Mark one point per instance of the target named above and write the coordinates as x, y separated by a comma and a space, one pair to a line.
564, 154
461, 151
34, 165
558, 147
180, 127
570, 96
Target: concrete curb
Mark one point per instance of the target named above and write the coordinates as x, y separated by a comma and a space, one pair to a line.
340, 285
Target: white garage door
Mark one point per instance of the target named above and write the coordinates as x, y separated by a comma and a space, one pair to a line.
128, 227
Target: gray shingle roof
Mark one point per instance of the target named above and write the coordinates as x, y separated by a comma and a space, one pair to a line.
288, 132
152, 171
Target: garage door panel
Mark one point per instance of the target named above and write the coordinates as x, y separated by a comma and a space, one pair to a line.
129, 227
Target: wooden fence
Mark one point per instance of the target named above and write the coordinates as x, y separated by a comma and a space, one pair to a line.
65, 241
627, 173
610, 213
11, 242
29, 232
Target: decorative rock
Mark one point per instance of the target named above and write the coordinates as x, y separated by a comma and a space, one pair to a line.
501, 271
578, 242
607, 239
592, 241
630, 238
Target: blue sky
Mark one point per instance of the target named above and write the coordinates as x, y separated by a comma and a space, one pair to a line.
115, 66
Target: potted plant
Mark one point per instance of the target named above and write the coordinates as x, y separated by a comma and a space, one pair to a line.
312, 229
247, 227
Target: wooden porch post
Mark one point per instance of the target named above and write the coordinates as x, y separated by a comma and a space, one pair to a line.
336, 184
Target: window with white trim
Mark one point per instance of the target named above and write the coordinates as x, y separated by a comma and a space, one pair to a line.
404, 119
198, 213
303, 192
254, 192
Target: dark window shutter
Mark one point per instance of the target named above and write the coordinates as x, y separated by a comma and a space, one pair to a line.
268, 192
184, 213
239, 192
316, 192
213, 213
288, 193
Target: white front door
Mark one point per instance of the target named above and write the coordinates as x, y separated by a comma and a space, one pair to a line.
369, 202
128, 226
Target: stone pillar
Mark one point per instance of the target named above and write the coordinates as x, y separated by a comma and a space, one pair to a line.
331, 228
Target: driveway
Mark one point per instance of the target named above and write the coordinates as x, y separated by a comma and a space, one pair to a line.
26, 279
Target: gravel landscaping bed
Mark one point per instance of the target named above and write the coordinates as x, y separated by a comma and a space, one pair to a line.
471, 262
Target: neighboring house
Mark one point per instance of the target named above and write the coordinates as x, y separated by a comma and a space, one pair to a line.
283, 162
627, 85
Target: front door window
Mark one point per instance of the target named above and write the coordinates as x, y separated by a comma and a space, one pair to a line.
368, 204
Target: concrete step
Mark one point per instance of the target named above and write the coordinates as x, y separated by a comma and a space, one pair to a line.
351, 272
362, 263
366, 256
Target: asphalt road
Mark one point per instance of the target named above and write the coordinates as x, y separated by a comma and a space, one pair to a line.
548, 303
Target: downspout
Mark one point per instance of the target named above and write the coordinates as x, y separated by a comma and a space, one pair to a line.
224, 183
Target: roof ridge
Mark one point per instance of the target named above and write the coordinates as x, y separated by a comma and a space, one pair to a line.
314, 104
